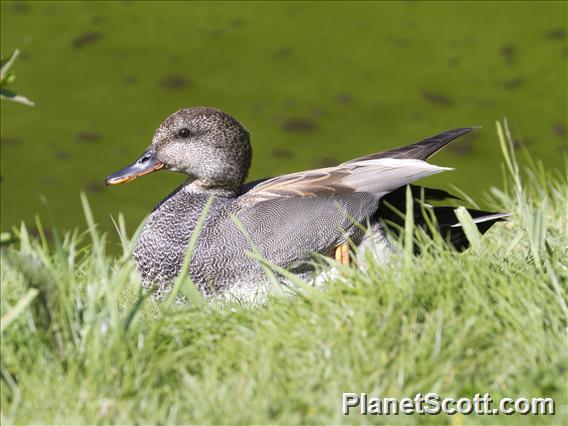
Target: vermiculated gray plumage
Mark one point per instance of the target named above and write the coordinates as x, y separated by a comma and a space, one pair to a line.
287, 218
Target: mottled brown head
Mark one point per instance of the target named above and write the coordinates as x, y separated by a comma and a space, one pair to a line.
206, 144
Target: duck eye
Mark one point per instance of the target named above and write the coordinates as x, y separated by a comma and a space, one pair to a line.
184, 133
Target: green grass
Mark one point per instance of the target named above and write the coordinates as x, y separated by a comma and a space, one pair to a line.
81, 345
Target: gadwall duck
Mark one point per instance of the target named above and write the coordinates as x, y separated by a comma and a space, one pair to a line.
286, 218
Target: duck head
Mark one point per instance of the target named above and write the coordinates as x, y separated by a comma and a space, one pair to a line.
207, 144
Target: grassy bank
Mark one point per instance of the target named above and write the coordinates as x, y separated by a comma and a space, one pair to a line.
80, 345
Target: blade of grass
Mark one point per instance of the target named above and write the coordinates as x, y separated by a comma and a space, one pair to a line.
17, 309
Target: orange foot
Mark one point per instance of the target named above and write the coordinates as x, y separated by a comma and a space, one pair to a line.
342, 254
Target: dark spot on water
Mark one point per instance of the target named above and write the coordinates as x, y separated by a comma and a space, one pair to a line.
559, 129
61, 155
509, 53
396, 40
437, 98
377, 106
317, 112
461, 44
25, 56
215, 33
482, 102
174, 82
454, 61
237, 22
294, 10
48, 180
556, 34
516, 145
521, 144
299, 125
282, 52
86, 38
563, 148
463, 145
287, 103
282, 154
94, 187
256, 108
416, 116
174, 59
97, 20
130, 80
83, 136
20, 7
528, 141
326, 162
344, 98
34, 232
460, 148
512, 83
10, 141
363, 24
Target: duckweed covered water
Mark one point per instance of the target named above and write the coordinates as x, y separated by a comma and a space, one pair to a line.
315, 84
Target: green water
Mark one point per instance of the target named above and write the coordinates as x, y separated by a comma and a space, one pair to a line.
315, 83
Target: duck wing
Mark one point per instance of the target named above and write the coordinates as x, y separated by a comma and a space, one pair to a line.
289, 217
317, 181
287, 230
375, 176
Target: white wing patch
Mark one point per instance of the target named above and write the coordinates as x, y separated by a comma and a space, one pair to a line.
375, 176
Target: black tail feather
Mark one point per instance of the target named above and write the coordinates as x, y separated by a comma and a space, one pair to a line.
393, 207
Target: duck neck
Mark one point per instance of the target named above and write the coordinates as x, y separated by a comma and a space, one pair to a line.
200, 187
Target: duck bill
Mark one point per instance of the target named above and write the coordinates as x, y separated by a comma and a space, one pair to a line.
147, 163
